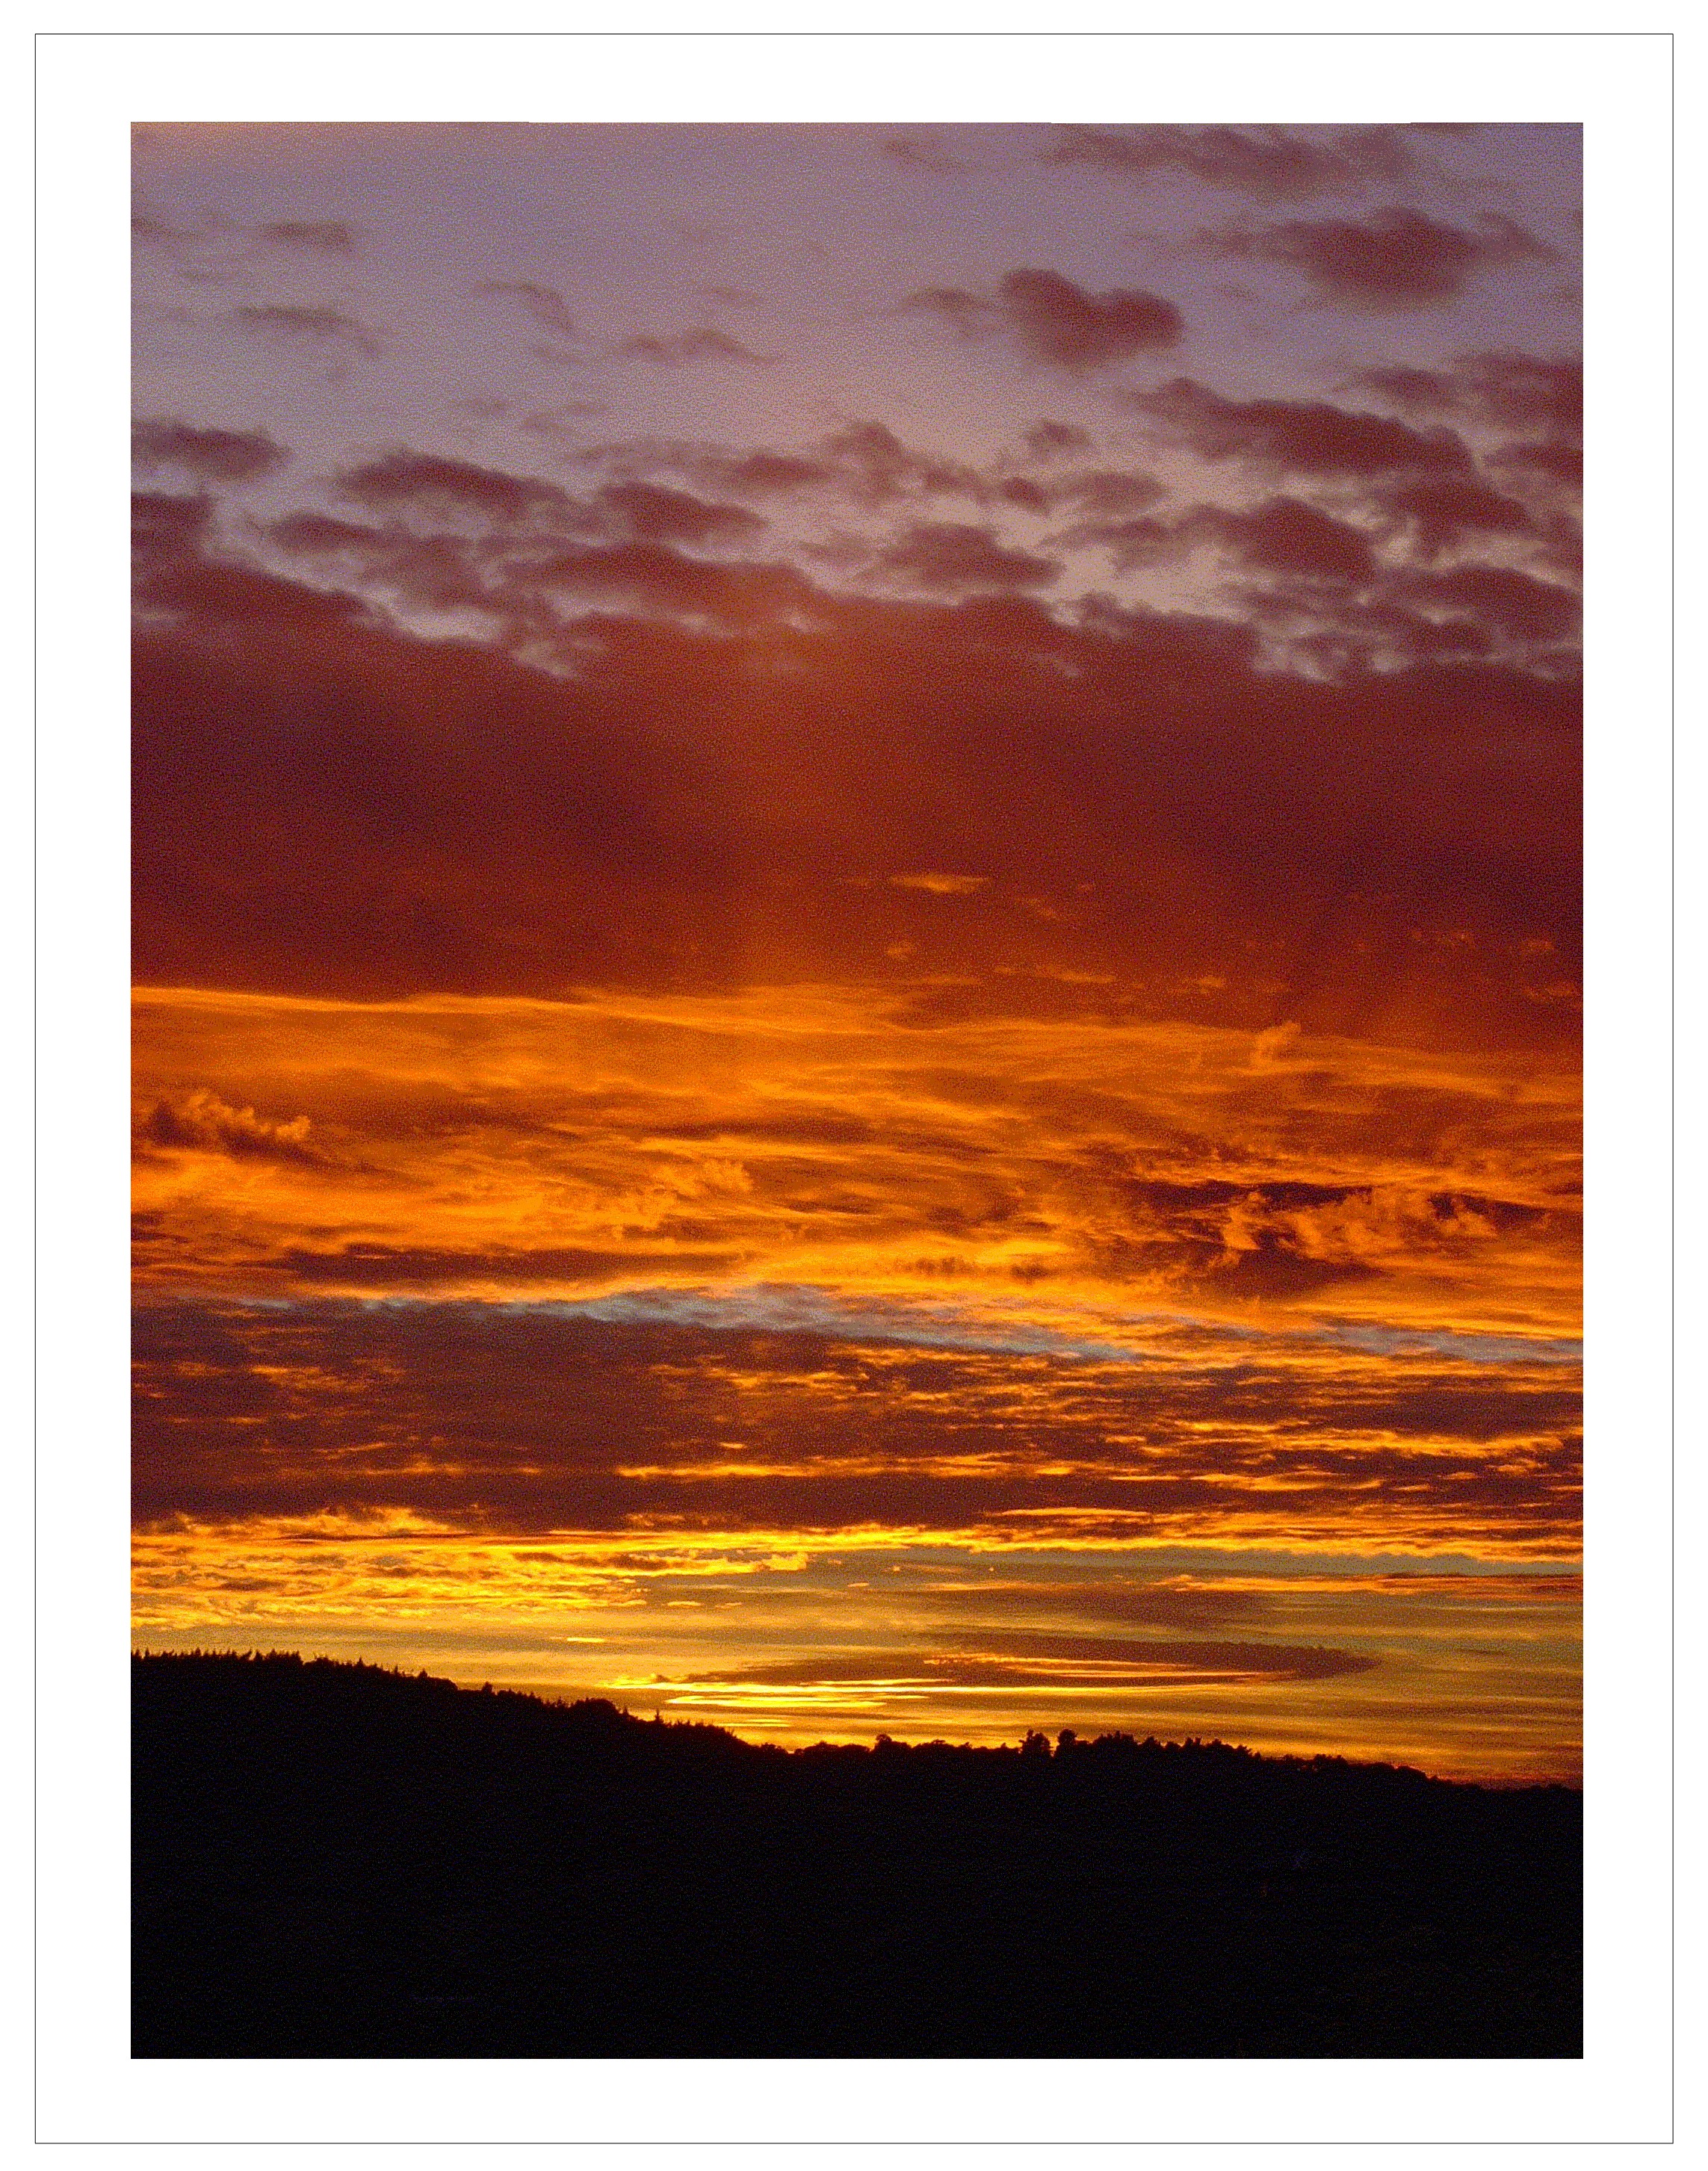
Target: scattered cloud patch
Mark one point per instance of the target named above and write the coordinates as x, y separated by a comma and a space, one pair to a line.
1051, 441
210, 455
1395, 258
323, 326
935, 885
202, 1122
1303, 436
949, 555
1272, 1044
871, 457
317, 236
401, 478
544, 305
923, 149
1527, 393
1112, 493
1264, 163
1054, 321
763, 474
657, 515
1443, 512
702, 343
1290, 539
1513, 604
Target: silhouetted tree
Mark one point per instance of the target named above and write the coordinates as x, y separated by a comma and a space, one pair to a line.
331, 1861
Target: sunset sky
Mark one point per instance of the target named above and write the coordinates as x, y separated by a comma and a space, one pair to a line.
858, 922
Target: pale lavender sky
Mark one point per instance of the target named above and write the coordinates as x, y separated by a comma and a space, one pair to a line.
578, 303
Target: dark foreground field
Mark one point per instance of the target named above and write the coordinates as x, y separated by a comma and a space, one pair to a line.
337, 1861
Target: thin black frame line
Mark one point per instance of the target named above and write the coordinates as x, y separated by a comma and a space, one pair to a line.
35, 1691
1673, 1066
1053, 2143
1246, 36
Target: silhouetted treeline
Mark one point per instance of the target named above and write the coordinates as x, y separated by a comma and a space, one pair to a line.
335, 1860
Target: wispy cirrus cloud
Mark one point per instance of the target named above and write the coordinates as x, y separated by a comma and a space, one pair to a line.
1266, 163
306, 325
544, 305
923, 150
702, 343
316, 237
517, 1423
880, 1148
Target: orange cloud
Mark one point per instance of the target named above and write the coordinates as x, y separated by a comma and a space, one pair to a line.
854, 1141
801, 1641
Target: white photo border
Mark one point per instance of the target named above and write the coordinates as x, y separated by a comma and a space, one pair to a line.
91, 86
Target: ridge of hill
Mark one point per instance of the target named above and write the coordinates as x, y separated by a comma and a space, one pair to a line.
335, 1860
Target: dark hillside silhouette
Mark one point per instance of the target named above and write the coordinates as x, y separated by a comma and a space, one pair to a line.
334, 1860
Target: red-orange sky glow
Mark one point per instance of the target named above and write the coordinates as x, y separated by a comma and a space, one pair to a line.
857, 923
